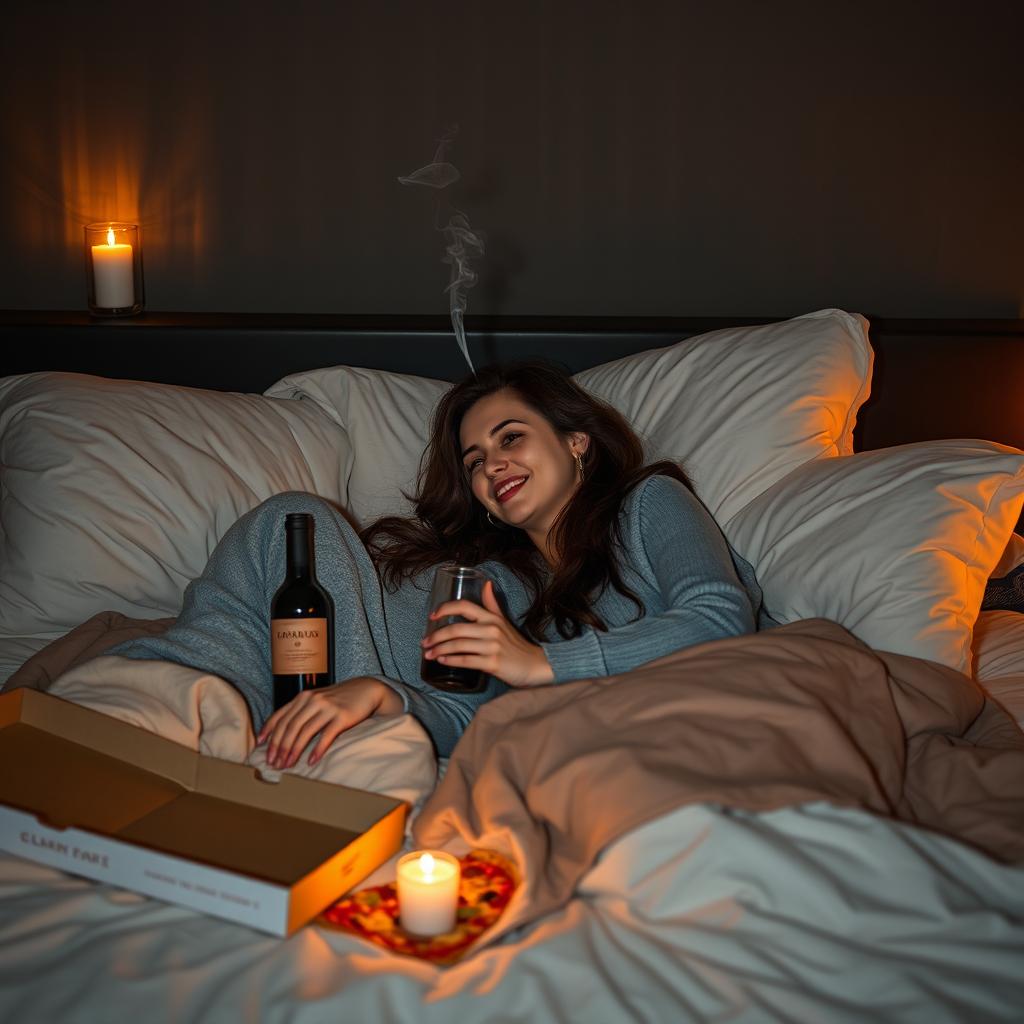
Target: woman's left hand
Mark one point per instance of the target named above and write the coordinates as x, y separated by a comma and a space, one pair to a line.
487, 641
328, 711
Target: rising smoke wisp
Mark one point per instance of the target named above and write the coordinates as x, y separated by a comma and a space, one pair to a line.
463, 243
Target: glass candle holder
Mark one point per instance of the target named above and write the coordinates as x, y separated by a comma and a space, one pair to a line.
113, 268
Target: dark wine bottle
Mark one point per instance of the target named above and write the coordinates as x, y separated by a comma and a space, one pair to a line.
301, 619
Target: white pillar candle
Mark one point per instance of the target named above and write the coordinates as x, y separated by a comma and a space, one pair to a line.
428, 892
113, 274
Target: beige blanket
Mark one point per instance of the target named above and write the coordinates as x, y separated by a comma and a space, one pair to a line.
387, 754
800, 713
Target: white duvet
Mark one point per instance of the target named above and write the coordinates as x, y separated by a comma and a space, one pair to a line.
805, 914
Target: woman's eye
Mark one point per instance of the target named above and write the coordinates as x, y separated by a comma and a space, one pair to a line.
510, 436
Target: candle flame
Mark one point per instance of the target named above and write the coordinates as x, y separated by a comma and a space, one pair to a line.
110, 236
427, 864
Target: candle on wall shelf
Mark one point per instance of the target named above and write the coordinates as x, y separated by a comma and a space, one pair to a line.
113, 264
428, 892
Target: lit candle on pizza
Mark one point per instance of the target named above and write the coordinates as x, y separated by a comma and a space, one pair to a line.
428, 892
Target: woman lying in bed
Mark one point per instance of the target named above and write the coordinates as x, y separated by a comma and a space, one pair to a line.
599, 564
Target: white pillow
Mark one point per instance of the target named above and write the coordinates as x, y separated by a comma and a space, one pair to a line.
998, 645
114, 493
739, 408
1011, 557
896, 545
386, 417
742, 407
999, 659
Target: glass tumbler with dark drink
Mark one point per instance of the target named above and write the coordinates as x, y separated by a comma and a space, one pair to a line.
453, 583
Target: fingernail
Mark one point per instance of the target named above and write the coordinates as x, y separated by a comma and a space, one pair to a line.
428, 655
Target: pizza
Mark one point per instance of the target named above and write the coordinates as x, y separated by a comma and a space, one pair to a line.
487, 883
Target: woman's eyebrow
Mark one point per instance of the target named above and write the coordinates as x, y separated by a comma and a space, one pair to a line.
494, 430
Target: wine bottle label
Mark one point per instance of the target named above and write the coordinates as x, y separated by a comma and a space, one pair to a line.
298, 646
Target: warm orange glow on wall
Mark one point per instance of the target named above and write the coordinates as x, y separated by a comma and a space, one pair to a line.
99, 148
99, 178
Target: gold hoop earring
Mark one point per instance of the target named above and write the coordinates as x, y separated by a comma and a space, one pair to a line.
497, 523
579, 465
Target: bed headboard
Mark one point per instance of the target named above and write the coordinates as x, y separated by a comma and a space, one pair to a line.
933, 378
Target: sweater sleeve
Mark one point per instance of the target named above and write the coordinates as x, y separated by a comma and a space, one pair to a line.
672, 542
443, 715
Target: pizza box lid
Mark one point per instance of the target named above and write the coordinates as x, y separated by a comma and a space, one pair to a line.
67, 771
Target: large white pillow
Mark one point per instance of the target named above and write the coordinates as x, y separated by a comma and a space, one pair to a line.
742, 407
739, 408
998, 643
386, 417
896, 545
115, 492
999, 659
1011, 557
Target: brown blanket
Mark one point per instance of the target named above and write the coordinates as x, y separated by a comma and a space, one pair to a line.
800, 713
89, 640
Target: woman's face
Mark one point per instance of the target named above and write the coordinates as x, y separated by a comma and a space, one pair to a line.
505, 442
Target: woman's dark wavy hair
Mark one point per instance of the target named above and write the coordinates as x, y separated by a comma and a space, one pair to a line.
450, 525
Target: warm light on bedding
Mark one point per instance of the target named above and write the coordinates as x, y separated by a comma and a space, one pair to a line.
821, 815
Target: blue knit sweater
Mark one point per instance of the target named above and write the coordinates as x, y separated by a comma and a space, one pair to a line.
674, 558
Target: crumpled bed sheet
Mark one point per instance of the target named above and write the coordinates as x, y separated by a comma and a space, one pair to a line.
700, 911
810, 913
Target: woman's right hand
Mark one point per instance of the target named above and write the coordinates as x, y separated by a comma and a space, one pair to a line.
328, 711
488, 642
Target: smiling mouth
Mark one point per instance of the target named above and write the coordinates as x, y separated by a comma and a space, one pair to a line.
514, 489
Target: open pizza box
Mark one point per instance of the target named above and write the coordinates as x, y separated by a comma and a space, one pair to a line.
94, 796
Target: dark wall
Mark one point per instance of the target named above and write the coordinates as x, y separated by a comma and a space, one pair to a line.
687, 158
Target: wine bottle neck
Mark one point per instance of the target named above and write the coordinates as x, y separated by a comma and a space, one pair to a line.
299, 552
